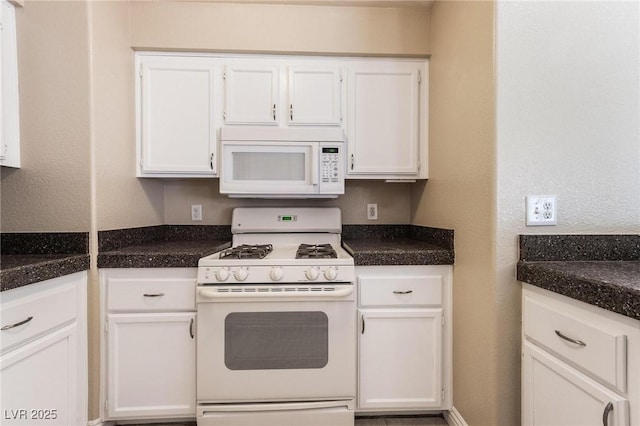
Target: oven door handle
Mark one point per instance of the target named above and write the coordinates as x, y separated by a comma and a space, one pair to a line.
208, 294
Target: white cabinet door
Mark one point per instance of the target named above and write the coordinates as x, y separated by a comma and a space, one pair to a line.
151, 365
315, 96
176, 113
400, 358
251, 93
9, 103
383, 123
555, 394
39, 381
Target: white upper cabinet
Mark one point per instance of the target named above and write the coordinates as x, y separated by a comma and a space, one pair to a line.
183, 99
176, 108
9, 104
315, 96
260, 91
251, 93
387, 119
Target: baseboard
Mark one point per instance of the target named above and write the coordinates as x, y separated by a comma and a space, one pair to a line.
98, 422
454, 418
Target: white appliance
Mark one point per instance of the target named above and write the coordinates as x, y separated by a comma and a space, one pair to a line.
276, 335
261, 162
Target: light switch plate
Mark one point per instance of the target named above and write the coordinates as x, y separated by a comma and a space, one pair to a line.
541, 210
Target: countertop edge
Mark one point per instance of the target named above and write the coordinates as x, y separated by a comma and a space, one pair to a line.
41, 271
611, 297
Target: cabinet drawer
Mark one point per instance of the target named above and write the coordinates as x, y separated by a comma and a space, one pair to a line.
34, 314
400, 291
597, 350
150, 294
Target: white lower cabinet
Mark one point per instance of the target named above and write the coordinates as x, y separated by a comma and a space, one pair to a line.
150, 325
559, 395
152, 368
580, 364
400, 358
44, 354
404, 338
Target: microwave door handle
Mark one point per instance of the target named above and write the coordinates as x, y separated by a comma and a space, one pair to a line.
314, 164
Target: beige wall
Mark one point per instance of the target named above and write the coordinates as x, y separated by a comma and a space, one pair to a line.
460, 195
121, 199
393, 201
51, 192
280, 28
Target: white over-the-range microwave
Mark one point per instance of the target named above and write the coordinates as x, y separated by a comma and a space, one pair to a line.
261, 162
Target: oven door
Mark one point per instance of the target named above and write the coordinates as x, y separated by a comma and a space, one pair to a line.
269, 168
276, 349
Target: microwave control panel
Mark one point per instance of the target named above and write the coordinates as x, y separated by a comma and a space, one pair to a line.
331, 173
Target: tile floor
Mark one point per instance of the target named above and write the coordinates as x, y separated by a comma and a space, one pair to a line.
401, 421
360, 421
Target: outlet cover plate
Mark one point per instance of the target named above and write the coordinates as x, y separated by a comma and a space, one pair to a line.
541, 210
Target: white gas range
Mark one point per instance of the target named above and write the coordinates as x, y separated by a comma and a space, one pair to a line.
277, 322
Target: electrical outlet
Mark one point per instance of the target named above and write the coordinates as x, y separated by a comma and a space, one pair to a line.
196, 212
372, 211
541, 210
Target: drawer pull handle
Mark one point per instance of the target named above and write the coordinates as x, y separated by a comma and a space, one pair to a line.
402, 292
191, 328
605, 414
18, 324
569, 339
153, 294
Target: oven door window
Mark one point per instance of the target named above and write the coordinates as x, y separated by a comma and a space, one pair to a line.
276, 340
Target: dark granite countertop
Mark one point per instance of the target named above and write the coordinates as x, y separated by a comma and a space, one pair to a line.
18, 270
31, 257
612, 285
161, 254
398, 245
602, 270
403, 251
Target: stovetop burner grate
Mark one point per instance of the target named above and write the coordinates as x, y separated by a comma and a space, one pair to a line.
316, 251
247, 251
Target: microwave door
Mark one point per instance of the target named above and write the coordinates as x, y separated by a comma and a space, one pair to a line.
268, 168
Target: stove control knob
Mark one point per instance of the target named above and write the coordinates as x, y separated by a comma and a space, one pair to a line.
222, 274
241, 274
276, 273
331, 273
312, 274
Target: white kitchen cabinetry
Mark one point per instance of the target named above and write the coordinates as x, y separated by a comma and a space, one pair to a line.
43, 365
176, 116
387, 119
404, 338
9, 104
151, 348
183, 99
251, 92
581, 364
315, 95
260, 91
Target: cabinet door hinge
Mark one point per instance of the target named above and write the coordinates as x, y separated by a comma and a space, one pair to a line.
224, 75
106, 327
419, 77
443, 394
224, 115
340, 76
443, 318
106, 406
418, 165
140, 71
